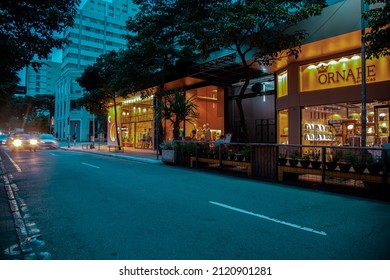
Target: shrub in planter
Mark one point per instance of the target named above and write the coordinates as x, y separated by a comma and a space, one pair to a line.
331, 165
315, 164
305, 160
375, 165
168, 152
282, 159
293, 161
332, 161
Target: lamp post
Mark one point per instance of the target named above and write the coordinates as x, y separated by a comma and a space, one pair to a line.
363, 90
93, 131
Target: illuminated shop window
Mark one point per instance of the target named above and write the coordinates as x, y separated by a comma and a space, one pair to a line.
282, 84
340, 124
283, 127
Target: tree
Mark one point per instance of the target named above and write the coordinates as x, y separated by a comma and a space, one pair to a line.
33, 113
159, 44
378, 37
177, 108
29, 29
104, 81
258, 31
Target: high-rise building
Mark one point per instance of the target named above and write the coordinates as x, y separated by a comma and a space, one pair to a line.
98, 28
44, 80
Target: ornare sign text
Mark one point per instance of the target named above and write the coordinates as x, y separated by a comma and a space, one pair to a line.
342, 73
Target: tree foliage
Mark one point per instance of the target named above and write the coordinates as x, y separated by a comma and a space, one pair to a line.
258, 31
157, 36
29, 29
33, 113
104, 81
177, 108
378, 20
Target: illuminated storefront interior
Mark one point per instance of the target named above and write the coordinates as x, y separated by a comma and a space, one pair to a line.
210, 124
340, 124
326, 102
136, 118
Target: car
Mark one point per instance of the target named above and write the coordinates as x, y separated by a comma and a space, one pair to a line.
47, 141
3, 139
19, 142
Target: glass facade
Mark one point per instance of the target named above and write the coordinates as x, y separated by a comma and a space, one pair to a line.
283, 127
210, 124
137, 122
340, 124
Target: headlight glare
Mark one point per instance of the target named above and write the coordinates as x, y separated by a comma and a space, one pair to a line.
17, 142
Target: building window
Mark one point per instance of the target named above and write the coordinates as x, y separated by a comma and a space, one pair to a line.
282, 84
74, 105
340, 124
283, 127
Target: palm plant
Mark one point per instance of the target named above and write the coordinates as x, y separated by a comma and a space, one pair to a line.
177, 108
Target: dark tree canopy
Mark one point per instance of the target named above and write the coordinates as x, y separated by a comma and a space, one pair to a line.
30, 29
29, 112
378, 20
258, 31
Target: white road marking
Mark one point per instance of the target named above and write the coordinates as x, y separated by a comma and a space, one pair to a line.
87, 164
14, 163
268, 218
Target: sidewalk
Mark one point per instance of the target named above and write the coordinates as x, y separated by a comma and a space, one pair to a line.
143, 155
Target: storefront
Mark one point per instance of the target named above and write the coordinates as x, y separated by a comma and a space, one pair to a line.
319, 101
135, 121
210, 124
136, 116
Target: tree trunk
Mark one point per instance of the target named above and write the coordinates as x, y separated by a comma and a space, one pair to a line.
244, 136
116, 125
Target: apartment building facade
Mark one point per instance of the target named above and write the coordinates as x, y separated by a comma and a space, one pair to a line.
98, 28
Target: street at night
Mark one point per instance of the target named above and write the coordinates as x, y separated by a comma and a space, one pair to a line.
85, 206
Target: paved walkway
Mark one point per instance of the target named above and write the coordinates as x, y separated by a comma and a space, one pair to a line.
145, 155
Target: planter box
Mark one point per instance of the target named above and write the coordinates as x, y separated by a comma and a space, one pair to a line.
168, 156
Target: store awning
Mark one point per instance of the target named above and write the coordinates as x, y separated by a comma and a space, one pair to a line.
223, 70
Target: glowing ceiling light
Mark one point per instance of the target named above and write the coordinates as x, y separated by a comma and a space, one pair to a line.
344, 59
355, 57
312, 67
332, 62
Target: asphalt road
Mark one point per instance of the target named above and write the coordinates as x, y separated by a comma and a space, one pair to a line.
90, 207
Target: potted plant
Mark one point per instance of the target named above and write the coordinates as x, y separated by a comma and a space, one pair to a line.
282, 158
168, 151
178, 108
244, 153
359, 163
305, 160
346, 162
375, 165
332, 161
293, 160
315, 160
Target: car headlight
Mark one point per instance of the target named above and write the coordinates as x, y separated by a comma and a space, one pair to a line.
33, 141
17, 142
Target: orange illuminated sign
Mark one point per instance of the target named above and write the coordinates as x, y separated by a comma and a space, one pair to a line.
343, 72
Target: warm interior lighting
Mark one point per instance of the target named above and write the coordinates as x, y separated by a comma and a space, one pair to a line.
207, 98
350, 127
